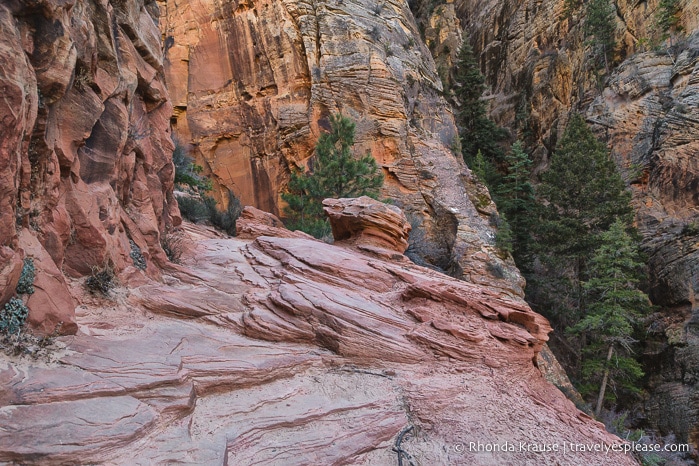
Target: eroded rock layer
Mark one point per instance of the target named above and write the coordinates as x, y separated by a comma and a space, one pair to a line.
253, 84
85, 149
295, 352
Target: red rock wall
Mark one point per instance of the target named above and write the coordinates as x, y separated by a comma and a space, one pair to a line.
85, 149
253, 84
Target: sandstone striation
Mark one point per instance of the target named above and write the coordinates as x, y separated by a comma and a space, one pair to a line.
85, 149
253, 85
295, 352
649, 112
367, 223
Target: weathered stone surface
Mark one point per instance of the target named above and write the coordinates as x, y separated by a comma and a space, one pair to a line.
85, 149
649, 112
303, 353
282, 68
10, 271
51, 306
366, 222
538, 68
255, 222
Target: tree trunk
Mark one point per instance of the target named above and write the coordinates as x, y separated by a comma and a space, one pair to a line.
603, 387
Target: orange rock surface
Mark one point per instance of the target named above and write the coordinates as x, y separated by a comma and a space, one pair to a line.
253, 85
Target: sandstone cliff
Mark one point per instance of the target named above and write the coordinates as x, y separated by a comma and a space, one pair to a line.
537, 64
295, 352
85, 149
253, 83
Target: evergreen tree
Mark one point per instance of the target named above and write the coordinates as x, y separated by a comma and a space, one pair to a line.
515, 196
600, 26
335, 173
583, 191
615, 308
477, 131
580, 196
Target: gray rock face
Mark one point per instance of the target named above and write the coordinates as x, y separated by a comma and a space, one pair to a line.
538, 67
649, 113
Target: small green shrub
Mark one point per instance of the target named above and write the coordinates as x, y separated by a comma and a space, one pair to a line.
667, 16
102, 280
690, 229
26, 278
188, 173
204, 209
13, 316
193, 208
137, 256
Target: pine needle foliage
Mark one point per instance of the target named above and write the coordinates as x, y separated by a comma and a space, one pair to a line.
334, 173
478, 133
615, 309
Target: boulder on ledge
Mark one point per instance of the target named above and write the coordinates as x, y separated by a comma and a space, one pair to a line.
255, 222
364, 221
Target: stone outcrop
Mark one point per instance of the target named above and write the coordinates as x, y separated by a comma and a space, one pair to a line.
368, 223
255, 222
253, 85
85, 149
295, 352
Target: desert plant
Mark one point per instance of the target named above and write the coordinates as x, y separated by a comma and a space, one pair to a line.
171, 244
204, 209
25, 343
13, 316
188, 173
478, 132
599, 28
26, 278
667, 16
137, 256
102, 280
335, 173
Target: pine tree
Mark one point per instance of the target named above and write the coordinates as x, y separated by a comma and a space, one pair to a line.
613, 314
477, 131
515, 196
335, 173
600, 26
583, 191
580, 196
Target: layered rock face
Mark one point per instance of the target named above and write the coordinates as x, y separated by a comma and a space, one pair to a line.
85, 150
649, 112
539, 69
296, 352
253, 84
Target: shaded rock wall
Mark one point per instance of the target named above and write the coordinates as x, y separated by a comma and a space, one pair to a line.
254, 82
538, 67
85, 150
649, 113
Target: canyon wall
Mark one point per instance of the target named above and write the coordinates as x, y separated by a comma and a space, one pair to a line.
85, 148
538, 67
253, 84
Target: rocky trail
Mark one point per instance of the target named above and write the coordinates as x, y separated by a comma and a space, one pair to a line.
281, 349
